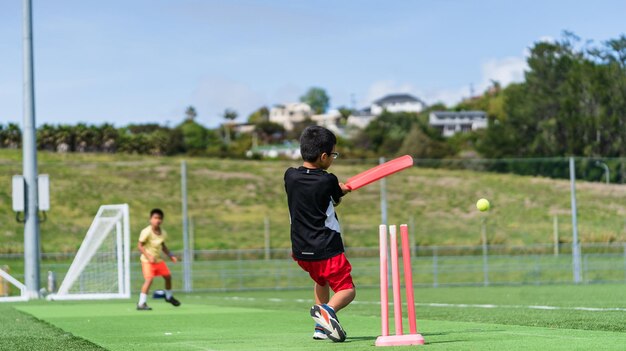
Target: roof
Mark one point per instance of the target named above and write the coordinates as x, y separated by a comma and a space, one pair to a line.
396, 99
459, 114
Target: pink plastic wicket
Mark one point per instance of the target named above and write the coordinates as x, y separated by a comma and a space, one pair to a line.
395, 280
408, 278
384, 298
398, 339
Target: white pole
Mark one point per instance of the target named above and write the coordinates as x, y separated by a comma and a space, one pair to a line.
29, 149
483, 235
556, 234
186, 255
267, 237
575, 244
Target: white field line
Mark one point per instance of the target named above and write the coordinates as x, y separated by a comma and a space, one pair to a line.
448, 305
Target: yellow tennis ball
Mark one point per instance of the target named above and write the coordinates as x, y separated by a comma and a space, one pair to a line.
482, 205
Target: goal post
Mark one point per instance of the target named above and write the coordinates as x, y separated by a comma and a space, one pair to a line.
101, 267
5, 277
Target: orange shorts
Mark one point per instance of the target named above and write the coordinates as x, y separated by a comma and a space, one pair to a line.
334, 271
151, 270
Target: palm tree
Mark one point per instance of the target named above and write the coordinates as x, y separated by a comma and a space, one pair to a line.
12, 136
191, 113
229, 115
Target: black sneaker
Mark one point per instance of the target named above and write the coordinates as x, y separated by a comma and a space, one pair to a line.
143, 307
173, 301
327, 319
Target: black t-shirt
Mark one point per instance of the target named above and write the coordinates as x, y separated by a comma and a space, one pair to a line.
312, 195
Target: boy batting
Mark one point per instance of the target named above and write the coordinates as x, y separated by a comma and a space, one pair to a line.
317, 247
151, 243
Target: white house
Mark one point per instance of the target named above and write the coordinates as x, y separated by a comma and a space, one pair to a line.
288, 114
397, 103
329, 120
392, 103
452, 122
287, 150
361, 118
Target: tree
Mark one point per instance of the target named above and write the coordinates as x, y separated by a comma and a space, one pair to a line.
317, 98
229, 115
270, 132
418, 144
191, 113
259, 116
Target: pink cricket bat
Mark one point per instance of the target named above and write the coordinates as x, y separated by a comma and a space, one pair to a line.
380, 171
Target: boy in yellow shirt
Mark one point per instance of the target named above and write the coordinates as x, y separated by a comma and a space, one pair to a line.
151, 243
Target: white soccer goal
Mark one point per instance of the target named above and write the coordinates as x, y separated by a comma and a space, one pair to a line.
101, 267
8, 279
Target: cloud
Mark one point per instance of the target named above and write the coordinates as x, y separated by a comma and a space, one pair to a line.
504, 70
215, 94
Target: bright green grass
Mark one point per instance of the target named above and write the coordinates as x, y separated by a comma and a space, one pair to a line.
278, 320
228, 200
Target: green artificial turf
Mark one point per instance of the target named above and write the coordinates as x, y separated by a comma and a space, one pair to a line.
279, 320
21, 331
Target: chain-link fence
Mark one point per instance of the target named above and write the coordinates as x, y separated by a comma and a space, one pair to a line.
239, 223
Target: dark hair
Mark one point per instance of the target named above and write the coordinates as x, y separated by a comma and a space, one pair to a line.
157, 211
315, 141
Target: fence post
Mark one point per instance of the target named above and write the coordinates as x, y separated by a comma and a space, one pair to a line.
585, 267
412, 236
436, 267
239, 273
575, 243
624, 262
186, 260
556, 235
192, 244
267, 238
483, 234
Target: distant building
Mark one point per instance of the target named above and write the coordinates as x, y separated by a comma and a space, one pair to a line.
329, 120
289, 114
244, 128
361, 118
392, 103
397, 103
286, 150
452, 122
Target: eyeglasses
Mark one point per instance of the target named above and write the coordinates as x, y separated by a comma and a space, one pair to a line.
334, 155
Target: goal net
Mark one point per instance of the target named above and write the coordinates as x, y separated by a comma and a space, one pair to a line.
101, 267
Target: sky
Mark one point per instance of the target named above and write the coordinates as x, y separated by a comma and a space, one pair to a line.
145, 61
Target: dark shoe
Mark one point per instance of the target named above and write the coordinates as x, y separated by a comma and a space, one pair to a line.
327, 319
173, 301
144, 307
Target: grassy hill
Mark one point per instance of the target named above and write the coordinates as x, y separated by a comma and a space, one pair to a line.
229, 199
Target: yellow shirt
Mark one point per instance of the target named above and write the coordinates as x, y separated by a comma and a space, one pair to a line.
152, 243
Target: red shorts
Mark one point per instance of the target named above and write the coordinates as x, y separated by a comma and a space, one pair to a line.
334, 271
151, 270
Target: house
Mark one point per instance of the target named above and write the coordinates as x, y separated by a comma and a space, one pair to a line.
392, 103
286, 150
329, 120
397, 103
361, 118
289, 114
452, 122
